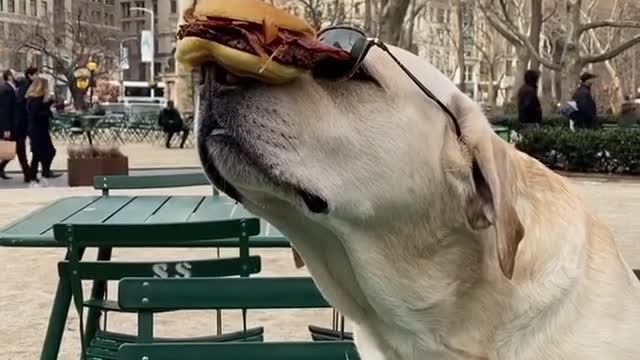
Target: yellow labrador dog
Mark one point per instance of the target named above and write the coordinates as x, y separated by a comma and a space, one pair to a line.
435, 248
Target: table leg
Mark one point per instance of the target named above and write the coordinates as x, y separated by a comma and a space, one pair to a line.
97, 292
58, 318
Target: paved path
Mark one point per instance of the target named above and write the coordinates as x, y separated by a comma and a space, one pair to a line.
141, 155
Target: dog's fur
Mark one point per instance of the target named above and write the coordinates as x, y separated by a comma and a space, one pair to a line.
430, 258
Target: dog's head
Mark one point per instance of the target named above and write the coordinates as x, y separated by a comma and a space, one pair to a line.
371, 154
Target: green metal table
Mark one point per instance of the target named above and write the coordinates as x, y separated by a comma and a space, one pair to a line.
35, 230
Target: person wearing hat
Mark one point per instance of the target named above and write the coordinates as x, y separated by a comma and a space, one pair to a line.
586, 115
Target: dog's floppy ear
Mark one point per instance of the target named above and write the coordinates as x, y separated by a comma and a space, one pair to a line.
492, 200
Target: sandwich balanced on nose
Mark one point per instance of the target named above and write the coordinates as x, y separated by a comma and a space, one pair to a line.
250, 38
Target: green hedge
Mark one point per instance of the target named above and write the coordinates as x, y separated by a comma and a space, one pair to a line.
553, 120
599, 151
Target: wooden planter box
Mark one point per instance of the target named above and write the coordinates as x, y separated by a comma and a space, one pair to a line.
82, 171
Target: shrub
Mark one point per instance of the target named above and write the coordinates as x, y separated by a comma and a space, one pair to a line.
601, 151
551, 120
90, 151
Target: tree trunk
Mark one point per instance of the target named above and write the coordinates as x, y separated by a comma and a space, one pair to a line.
617, 92
460, 39
518, 75
492, 92
79, 102
393, 15
368, 17
536, 29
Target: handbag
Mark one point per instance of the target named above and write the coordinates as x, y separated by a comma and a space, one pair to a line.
7, 150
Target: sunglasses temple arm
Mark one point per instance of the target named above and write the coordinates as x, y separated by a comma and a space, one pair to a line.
423, 88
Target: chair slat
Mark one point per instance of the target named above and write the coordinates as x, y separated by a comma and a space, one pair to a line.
114, 235
219, 293
341, 350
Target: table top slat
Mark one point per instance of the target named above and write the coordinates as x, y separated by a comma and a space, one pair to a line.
99, 211
266, 229
177, 209
213, 207
41, 221
138, 210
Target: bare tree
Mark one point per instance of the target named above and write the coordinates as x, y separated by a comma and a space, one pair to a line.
321, 13
492, 56
391, 19
71, 49
573, 57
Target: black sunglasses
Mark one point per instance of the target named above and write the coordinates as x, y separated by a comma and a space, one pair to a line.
357, 43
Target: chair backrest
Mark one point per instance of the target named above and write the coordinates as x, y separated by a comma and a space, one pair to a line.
124, 182
146, 296
150, 235
219, 293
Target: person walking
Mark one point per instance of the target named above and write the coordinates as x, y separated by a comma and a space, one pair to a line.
586, 115
39, 117
171, 123
8, 92
21, 121
529, 108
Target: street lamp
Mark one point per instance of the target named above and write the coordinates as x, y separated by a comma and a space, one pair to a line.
153, 36
92, 65
120, 64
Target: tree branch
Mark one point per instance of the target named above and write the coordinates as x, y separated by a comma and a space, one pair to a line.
610, 23
613, 52
552, 13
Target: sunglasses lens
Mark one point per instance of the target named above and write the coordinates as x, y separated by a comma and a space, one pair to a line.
349, 40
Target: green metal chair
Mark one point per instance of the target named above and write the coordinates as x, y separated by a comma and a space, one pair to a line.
97, 342
147, 296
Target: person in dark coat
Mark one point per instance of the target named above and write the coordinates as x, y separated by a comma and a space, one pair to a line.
586, 116
8, 95
529, 108
21, 121
171, 123
39, 117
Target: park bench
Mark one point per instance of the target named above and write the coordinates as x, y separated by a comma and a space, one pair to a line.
148, 296
102, 344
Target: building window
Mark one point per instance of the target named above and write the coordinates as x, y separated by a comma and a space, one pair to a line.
155, 6
468, 73
126, 9
1, 5
140, 4
23, 7
11, 6
174, 6
45, 8
440, 18
1, 29
33, 7
508, 67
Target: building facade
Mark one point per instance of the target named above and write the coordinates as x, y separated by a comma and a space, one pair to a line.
132, 22
17, 18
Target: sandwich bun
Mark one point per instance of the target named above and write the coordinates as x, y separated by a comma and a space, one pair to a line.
193, 52
254, 11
